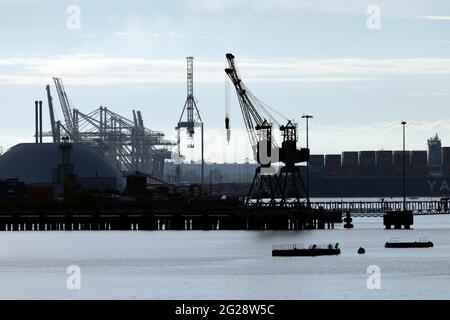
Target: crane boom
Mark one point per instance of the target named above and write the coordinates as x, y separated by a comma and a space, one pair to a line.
52, 115
251, 108
65, 106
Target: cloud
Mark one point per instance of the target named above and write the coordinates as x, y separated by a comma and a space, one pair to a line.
147, 34
441, 18
92, 69
432, 94
137, 34
304, 6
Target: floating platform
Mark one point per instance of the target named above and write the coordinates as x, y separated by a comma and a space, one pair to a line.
298, 250
411, 244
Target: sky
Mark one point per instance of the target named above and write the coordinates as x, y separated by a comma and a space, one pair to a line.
359, 67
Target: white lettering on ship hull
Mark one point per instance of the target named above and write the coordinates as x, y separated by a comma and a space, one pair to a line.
442, 186
431, 184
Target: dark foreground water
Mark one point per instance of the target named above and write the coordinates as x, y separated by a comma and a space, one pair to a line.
225, 264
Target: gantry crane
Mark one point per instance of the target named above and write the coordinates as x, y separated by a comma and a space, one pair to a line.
66, 108
128, 144
193, 120
268, 182
54, 125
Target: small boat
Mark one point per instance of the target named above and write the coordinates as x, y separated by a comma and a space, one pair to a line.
411, 244
361, 250
298, 250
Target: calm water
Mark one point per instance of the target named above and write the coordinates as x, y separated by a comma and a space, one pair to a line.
225, 264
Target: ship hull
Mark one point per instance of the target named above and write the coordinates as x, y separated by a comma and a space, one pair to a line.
427, 244
379, 186
306, 252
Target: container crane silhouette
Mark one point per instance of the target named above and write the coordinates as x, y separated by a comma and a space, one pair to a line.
269, 183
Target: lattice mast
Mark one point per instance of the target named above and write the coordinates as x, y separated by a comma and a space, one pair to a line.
192, 120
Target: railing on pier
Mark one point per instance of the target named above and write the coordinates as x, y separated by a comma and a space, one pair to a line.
279, 247
283, 247
378, 208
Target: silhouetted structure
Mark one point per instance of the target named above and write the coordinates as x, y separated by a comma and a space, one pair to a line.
193, 120
128, 144
267, 182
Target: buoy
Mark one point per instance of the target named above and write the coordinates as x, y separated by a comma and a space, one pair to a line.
361, 250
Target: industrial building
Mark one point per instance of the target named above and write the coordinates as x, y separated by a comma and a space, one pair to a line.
12, 189
49, 167
214, 172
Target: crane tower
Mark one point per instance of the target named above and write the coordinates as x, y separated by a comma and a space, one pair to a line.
267, 183
191, 121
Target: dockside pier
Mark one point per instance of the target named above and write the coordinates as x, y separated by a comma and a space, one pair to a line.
188, 218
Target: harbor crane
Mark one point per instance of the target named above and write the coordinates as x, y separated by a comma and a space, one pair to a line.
66, 108
54, 124
128, 144
287, 182
193, 120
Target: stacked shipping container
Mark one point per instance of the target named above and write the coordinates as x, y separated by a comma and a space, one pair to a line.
419, 163
384, 162
333, 165
376, 163
445, 160
367, 165
398, 162
350, 163
317, 164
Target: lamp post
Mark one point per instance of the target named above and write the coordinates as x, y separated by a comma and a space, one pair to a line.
307, 117
403, 123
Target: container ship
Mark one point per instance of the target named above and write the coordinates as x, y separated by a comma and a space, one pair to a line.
380, 173
349, 174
